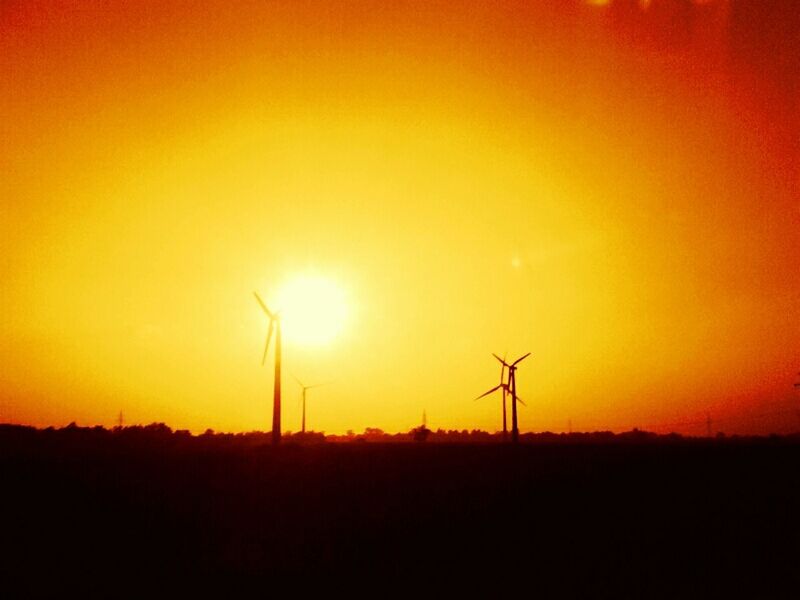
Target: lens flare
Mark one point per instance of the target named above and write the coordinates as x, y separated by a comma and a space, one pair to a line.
314, 310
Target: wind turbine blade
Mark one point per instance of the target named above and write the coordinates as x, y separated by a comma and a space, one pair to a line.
266, 346
500, 359
494, 389
521, 402
300, 383
316, 385
264, 306
520, 359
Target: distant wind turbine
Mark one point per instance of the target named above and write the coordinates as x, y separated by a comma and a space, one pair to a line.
512, 383
504, 387
422, 432
306, 388
274, 324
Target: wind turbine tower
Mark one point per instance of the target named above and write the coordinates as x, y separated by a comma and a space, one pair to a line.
274, 324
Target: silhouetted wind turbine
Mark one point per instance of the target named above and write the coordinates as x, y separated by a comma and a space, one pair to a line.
422, 432
274, 323
505, 392
305, 388
512, 383
504, 387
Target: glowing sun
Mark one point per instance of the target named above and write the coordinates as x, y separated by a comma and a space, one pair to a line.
313, 309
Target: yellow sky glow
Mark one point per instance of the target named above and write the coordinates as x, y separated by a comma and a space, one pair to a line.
420, 186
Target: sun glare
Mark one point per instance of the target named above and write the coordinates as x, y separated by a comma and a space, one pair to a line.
313, 310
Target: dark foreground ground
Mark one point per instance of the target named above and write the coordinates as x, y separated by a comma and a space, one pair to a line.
104, 515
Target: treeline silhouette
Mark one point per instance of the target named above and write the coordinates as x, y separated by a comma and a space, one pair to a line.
144, 510
161, 433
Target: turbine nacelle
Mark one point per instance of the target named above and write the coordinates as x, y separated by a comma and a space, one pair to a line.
309, 387
512, 366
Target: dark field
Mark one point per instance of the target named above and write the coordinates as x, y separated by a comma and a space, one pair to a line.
105, 514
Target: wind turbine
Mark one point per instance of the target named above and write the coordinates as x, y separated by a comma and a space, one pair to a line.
504, 387
512, 383
274, 324
305, 388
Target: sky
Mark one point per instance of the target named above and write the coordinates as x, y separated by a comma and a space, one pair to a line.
611, 186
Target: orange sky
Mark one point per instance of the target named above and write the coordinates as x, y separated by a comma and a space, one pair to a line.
612, 187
